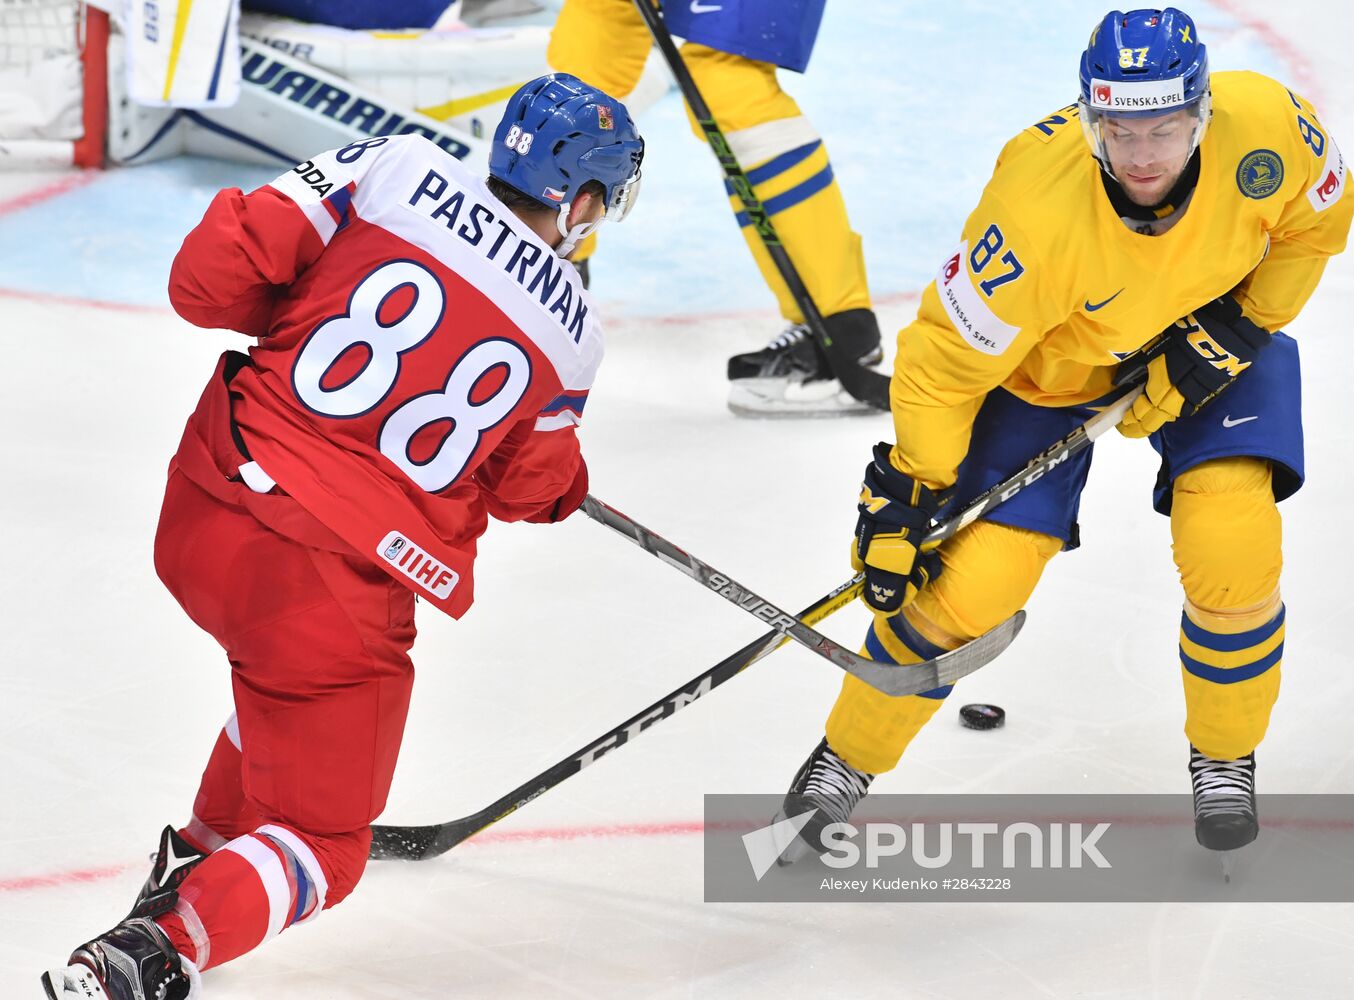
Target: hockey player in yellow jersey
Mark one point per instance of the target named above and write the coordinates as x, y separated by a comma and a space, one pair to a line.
1163, 200
733, 51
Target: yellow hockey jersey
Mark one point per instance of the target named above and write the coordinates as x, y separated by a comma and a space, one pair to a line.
1048, 284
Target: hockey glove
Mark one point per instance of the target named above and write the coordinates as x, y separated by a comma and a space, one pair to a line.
568, 502
1203, 354
895, 512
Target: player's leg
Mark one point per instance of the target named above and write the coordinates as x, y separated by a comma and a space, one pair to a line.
221, 812
989, 571
787, 162
318, 644
321, 690
606, 43
1224, 471
1227, 537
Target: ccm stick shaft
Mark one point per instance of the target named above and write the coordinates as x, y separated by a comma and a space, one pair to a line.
413, 843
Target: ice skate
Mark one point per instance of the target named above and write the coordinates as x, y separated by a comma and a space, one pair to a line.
831, 786
133, 961
172, 863
791, 377
1225, 817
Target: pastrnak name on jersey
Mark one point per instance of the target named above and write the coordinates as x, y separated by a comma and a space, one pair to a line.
529, 263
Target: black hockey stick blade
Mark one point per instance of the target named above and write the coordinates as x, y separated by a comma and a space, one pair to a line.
414, 843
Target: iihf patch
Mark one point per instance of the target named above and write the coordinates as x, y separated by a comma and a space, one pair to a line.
1260, 173
604, 117
408, 559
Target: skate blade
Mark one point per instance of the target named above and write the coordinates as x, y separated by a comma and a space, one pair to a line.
779, 398
74, 982
1228, 860
792, 848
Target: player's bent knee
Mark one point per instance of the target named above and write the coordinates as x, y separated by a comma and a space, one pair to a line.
990, 572
1227, 534
333, 862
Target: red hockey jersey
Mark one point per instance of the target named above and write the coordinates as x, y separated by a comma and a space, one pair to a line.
423, 357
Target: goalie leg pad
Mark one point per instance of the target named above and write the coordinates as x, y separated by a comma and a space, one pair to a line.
990, 571
1228, 548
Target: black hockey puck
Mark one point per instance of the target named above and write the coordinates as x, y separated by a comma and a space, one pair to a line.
982, 716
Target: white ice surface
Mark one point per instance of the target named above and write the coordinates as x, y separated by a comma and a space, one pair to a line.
110, 699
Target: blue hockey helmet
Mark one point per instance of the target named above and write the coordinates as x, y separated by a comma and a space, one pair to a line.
557, 134
1141, 64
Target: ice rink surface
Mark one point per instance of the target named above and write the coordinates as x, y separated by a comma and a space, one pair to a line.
111, 699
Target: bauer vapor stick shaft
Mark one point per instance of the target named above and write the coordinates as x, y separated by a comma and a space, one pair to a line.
414, 843
863, 384
884, 677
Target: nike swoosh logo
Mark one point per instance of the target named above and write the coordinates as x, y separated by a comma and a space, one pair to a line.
1101, 305
1227, 421
704, 8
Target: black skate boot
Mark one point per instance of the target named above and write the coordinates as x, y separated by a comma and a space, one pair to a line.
133, 961
1224, 801
173, 861
791, 377
832, 787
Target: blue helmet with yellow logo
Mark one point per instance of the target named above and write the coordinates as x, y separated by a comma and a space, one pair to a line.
1141, 64
557, 134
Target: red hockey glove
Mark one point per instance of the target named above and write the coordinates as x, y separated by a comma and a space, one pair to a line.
569, 501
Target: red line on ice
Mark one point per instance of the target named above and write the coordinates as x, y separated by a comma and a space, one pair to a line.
61, 879
55, 880
75, 300
1303, 77
677, 828
60, 186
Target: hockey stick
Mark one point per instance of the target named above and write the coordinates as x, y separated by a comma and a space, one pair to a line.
863, 384
413, 843
887, 678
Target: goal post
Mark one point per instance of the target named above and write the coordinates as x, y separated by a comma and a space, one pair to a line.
53, 83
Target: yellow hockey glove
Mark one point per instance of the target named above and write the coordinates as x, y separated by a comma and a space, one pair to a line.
1203, 354
895, 512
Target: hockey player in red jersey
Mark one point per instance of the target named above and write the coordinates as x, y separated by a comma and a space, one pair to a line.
425, 351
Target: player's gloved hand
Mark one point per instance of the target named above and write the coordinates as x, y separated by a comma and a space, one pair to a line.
1201, 356
568, 502
895, 511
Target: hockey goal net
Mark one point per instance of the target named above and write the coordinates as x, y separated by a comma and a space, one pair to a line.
53, 83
